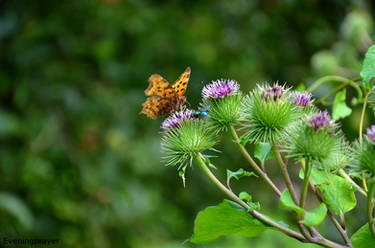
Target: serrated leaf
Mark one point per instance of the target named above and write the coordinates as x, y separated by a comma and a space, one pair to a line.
263, 151
248, 199
240, 173
368, 66
245, 196
310, 218
340, 109
363, 237
224, 219
315, 216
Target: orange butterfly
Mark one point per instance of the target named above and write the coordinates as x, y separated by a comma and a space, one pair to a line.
163, 97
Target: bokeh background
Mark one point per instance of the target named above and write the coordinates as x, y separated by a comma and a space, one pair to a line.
77, 161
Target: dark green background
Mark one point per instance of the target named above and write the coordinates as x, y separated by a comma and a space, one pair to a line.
77, 161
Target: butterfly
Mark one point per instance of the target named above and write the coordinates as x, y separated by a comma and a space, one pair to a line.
164, 98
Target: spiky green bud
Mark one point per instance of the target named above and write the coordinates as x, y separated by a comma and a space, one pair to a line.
316, 139
267, 112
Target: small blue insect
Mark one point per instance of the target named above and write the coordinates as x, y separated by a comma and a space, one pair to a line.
201, 114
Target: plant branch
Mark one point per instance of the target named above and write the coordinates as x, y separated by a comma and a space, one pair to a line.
253, 164
285, 174
306, 177
347, 177
362, 118
319, 240
198, 159
343, 80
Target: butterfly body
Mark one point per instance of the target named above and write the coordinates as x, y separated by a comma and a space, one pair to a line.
164, 98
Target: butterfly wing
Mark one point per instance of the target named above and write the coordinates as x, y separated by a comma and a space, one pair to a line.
158, 86
181, 83
156, 106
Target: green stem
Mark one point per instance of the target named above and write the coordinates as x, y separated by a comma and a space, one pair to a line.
343, 80
362, 118
285, 174
198, 159
305, 184
347, 177
322, 100
253, 164
370, 207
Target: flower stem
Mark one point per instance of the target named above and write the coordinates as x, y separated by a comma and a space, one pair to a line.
305, 184
343, 80
202, 165
347, 177
252, 162
285, 174
362, 118
370, 207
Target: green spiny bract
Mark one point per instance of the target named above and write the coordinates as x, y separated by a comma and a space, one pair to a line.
265, 115
323, 147
180, 144
363, 159
224, 112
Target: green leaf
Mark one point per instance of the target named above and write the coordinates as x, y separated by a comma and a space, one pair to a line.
340, 109
263, 151
315, 216
338, 193
224, 219
16, 207
286, 202
311, 218
240, 173
363, 237
368, 66
317, 176
246, 197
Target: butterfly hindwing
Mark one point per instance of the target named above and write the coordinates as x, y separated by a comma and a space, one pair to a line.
181, 83
156, 106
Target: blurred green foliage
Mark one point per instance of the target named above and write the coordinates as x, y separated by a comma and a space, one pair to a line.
78, 163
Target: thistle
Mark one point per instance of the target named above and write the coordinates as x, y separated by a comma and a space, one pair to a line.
316, 139
266, 113
219, 89
222, 99
302, 99
177, 118
184, 137
363, 160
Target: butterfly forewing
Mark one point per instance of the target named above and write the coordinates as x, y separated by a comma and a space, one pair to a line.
181, 83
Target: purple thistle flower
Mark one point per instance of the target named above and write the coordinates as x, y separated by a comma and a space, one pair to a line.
302, 98
371, 132
219, 89
274, 93
174, 120
320, 121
